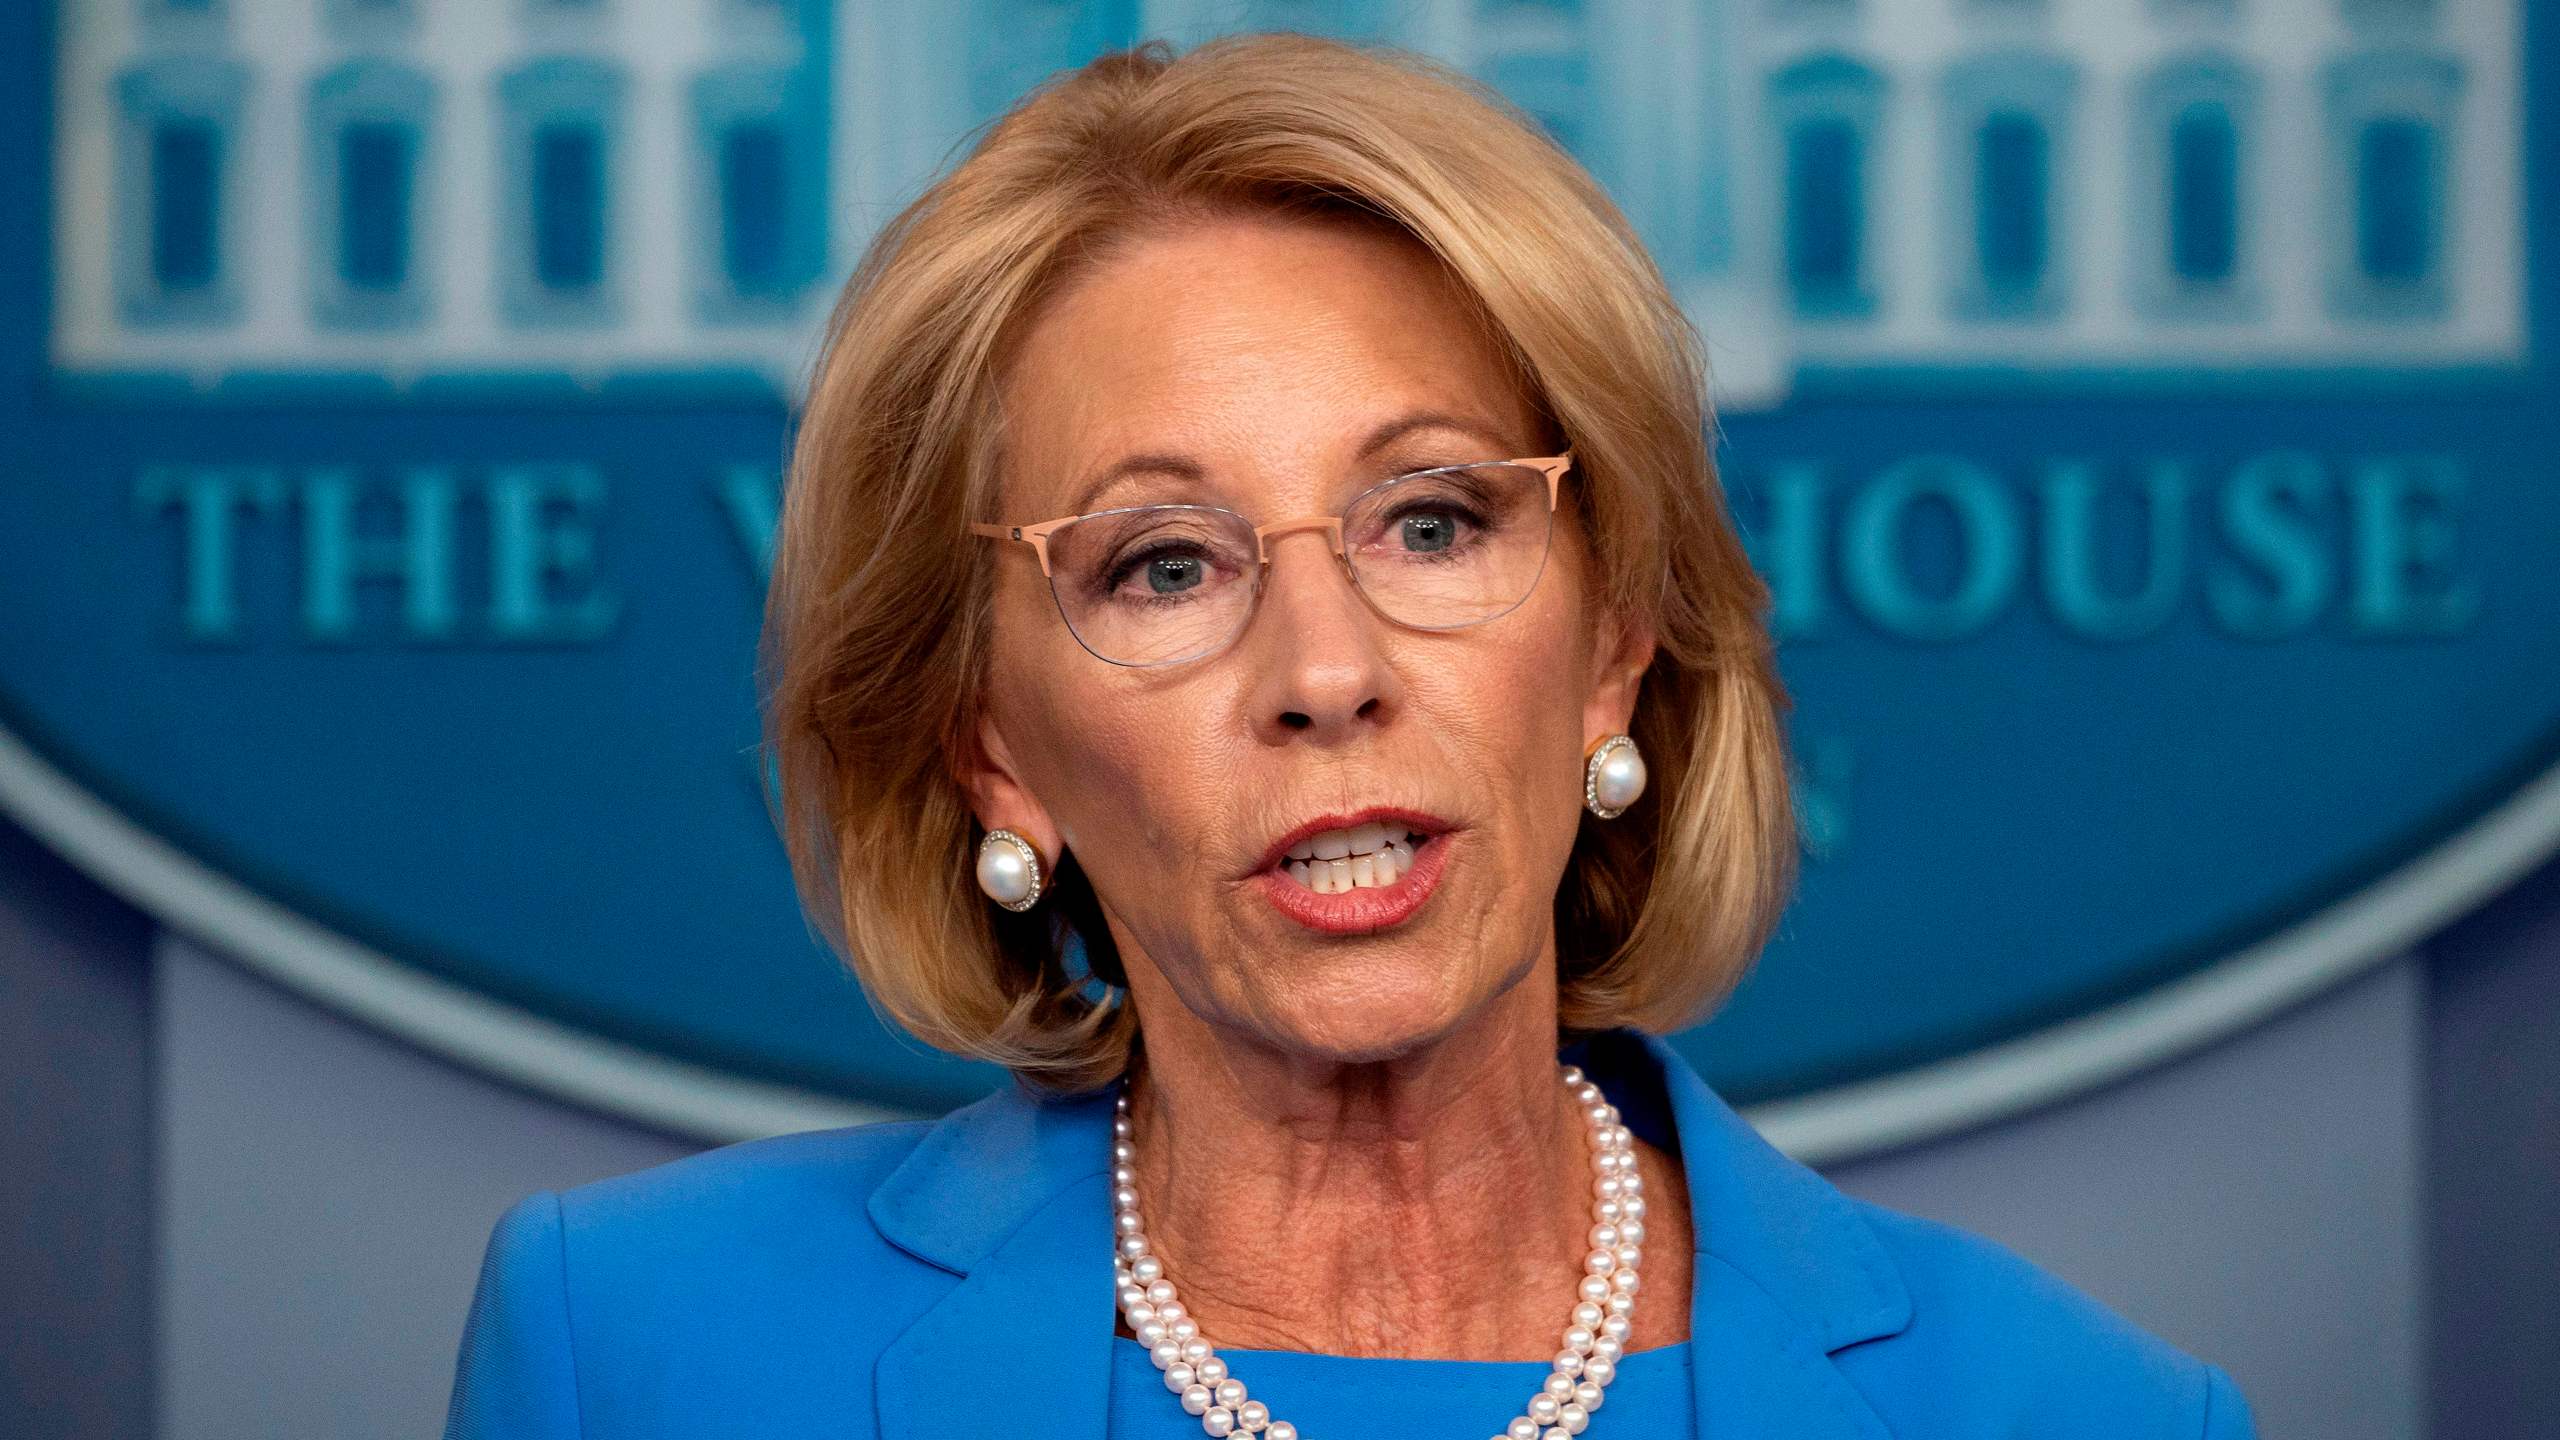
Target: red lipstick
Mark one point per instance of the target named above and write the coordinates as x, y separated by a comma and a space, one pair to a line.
1367, 909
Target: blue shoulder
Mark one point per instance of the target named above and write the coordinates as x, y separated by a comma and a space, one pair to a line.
748, 1210
1997, 1345
752, 1271
777, 1224
812, 1170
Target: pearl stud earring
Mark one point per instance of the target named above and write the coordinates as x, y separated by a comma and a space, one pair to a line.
1009, 870
1612, 777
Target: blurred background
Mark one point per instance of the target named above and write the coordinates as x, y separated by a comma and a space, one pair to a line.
2143, 411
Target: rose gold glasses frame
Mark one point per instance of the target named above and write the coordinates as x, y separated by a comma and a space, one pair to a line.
1037, 535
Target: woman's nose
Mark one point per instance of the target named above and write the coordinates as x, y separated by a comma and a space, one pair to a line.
1320, 668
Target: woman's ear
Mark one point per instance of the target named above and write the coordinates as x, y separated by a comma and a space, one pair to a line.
1618, 663
987, 774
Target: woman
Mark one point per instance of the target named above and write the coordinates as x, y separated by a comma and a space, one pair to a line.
1263, 657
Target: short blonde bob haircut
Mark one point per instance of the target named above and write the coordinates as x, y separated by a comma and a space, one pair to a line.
877, 622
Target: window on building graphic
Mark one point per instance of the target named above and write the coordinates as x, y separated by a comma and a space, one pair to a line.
754, 198
1825, 181
2009, 200
365, 172
2008, 157
1825, 112
178, 176
760, 208
186, 204
2395, 201
2189, 219
377, 167
568, 205
2204, 195
557, 157
2391, 118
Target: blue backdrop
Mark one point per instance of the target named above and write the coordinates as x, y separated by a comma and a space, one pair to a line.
2147, 434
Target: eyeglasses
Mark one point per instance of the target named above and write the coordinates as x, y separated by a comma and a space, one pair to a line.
1437, 549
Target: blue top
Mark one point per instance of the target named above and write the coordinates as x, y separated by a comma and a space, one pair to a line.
849, 1283
1339, 1397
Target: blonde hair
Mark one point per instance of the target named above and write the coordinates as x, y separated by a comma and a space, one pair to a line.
876, 626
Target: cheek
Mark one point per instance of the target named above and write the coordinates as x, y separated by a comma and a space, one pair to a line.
1532, 693
1125, 776
1546, 721
1506, 721
1521, 679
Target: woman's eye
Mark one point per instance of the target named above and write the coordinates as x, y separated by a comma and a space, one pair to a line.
1172, 573
1159, 572
1425, 530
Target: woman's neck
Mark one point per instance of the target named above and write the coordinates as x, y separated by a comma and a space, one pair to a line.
1434, 1205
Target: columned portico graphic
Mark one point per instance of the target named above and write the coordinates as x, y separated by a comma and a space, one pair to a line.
413, 194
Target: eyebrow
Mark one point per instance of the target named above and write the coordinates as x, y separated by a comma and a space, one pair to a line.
1183, 467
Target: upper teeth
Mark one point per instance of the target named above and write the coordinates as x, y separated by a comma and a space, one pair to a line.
1373, 854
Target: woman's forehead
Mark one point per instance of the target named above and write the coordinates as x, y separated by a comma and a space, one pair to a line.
1287, 341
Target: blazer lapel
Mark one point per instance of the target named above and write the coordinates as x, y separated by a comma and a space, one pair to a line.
1012, 1195
1786, 1273
1756, 1371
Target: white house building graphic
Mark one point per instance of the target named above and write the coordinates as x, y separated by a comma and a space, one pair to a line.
412, 193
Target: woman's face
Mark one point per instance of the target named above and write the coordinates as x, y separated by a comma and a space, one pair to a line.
1269, 353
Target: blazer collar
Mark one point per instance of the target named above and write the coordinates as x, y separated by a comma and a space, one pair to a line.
1011, 1194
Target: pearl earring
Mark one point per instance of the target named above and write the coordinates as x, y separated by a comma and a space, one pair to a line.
1612, 777
1009, 870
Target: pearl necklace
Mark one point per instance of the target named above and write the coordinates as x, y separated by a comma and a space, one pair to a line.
1594, 1338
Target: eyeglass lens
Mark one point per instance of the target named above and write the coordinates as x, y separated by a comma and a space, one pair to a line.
1436, 550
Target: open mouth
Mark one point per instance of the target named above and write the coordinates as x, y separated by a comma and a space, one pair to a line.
1362, 877
1370, 856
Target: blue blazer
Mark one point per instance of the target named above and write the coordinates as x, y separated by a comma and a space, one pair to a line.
848, 1282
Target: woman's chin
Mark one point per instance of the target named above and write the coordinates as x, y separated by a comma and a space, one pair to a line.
1380, 1017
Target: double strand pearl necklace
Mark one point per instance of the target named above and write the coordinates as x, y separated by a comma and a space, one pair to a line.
1594, 1338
